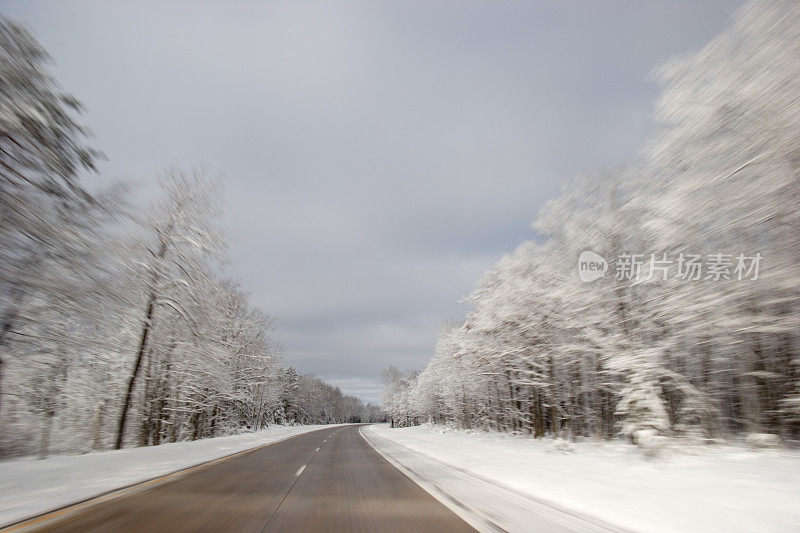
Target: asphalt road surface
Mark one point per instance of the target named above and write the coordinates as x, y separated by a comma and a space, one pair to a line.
326, 480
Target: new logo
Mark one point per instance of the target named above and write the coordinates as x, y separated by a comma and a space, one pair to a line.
591, 266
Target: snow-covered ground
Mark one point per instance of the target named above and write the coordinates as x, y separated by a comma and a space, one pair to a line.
691, 488
29, 486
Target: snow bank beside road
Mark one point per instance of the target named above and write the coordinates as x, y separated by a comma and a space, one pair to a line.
487, 506
29, 486
708, 489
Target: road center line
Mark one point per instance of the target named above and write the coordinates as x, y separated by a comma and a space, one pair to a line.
300, 471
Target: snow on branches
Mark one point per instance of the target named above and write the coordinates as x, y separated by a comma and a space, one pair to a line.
652, 355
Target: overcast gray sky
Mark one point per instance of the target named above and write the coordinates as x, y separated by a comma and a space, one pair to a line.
379, 156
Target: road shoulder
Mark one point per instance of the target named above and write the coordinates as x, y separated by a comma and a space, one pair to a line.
485, 504
30, 488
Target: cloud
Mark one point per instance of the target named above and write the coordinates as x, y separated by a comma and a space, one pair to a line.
368, 389
379, 156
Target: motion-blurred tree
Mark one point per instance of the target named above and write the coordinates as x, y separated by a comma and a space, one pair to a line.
49, 224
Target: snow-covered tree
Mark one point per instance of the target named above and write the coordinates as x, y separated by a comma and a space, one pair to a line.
684, 334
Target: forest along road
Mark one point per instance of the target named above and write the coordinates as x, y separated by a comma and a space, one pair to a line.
326, 480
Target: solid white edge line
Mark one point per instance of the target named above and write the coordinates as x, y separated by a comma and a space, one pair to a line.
589, 521
442, 497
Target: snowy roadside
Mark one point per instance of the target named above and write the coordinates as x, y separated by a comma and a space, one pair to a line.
720, 488
29, 487
485, 505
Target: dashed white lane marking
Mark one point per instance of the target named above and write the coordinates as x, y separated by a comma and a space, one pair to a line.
316, 450
300, 471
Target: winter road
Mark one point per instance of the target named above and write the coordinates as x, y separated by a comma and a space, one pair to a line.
326, 480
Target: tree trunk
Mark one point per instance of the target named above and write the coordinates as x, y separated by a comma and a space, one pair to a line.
46, 428
97, 421
146, 326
